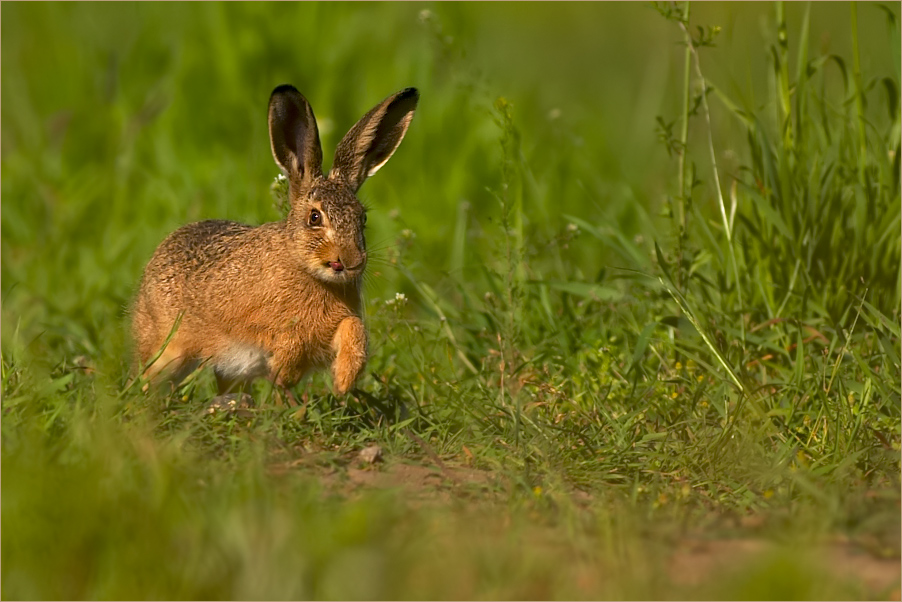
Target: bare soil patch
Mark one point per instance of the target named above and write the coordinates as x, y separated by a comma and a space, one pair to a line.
693, 561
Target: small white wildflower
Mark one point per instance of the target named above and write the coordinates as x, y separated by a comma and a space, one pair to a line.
400, 299
280, 178
572, 227
408, 233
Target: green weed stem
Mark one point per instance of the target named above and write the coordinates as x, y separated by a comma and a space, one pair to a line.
720, 200
859, 92
783, 75
684, 143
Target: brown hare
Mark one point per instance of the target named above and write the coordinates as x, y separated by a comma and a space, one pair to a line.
284, 298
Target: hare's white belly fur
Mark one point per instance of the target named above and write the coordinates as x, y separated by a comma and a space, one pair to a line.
242, 362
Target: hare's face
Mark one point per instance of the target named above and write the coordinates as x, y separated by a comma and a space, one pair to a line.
328, 226
326, 219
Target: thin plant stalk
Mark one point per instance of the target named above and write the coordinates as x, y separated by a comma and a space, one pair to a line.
684, 142
720, 200
859, 92
783, 75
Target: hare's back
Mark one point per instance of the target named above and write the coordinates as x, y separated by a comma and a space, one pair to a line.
200, 245
188, 254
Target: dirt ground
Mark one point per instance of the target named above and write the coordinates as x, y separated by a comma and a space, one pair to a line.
693, 560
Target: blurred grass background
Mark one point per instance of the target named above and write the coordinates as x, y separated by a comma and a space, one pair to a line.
751, 367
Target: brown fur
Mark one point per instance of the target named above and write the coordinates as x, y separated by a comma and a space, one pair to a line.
281, 299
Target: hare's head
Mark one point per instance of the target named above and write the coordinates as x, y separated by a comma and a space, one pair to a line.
325, 219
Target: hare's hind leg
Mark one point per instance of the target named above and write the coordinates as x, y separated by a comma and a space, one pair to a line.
349, 344
172, 365
160, 350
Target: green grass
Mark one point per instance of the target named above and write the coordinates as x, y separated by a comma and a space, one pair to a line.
647, 314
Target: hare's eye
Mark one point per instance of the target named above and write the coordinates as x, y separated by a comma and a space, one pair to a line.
315, 218
364, 219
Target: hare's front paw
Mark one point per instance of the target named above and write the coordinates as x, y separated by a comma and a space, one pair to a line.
349, 344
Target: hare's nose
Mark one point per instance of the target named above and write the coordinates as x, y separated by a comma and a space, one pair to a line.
354, 261
336, 265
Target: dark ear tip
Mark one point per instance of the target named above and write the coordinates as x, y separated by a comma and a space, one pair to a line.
410, 93
283, 89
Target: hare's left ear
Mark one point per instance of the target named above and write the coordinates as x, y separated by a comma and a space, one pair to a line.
373, 139
294, 137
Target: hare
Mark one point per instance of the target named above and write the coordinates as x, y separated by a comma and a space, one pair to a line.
283, 298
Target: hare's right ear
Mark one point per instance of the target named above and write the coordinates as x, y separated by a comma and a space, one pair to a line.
373, 139
293, 135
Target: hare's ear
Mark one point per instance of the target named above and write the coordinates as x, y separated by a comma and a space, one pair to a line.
293, 135
373, 139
